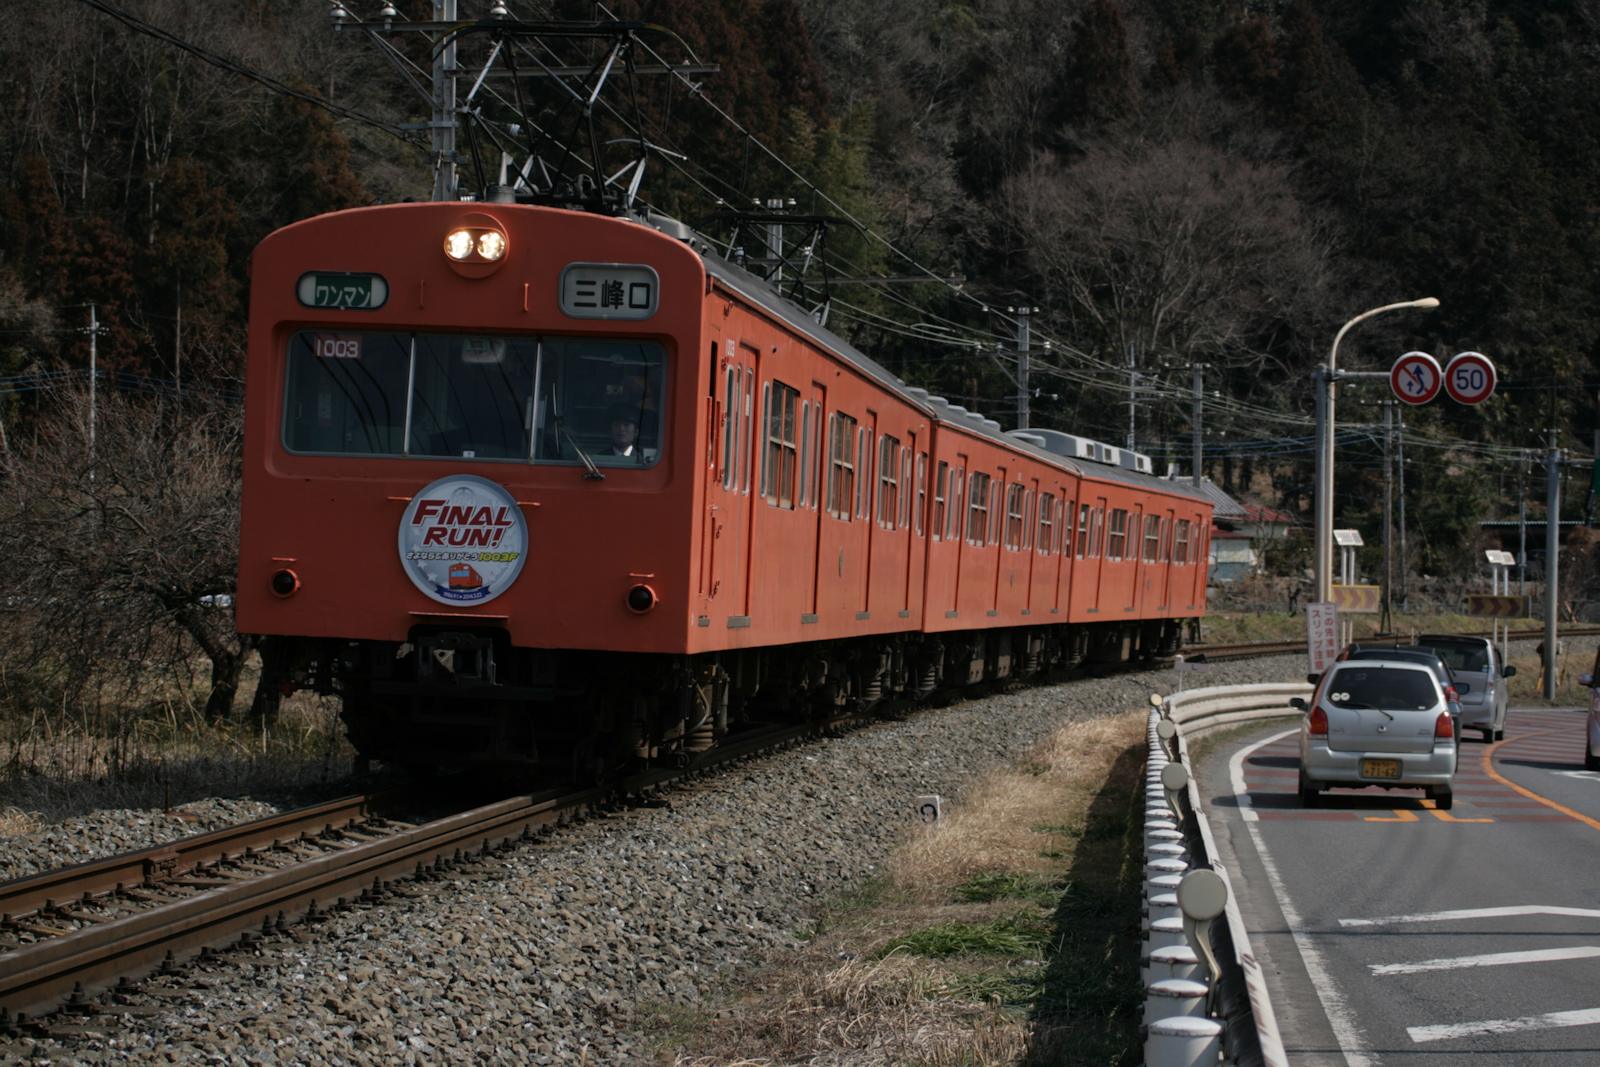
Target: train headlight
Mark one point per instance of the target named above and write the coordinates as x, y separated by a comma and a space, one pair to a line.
476, 245
641, 598
458, 244
491, 245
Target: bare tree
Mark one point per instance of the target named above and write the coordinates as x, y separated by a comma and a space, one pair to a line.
1169, 241
133, 551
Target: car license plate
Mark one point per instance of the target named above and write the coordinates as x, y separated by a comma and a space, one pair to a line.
1380, 768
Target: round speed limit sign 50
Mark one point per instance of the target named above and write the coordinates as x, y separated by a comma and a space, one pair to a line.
1469, 378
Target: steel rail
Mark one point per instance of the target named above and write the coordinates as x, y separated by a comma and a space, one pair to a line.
50, 890
39, 978
1248, 650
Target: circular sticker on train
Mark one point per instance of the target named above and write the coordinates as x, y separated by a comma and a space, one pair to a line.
463, 540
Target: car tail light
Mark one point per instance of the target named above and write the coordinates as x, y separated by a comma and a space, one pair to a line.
1318, 723
1451, 695
1444, 726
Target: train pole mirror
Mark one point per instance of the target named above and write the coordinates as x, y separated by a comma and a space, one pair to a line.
1174, 779
1202, 896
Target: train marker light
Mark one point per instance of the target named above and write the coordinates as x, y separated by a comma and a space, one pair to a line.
285, 583
641, 598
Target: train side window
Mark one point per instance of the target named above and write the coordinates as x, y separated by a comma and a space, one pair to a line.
730, 413
778, 463
816, 466
958, 487
994, 509
905, 486
805, 452
767, 465
747, 432
977, 508
1152, 538
921, 504
888, 481
1027, 518
1083, 531
1013, 536
1047, 523
1097, 535
841, 466
941, 478
1180, 542
1117, 541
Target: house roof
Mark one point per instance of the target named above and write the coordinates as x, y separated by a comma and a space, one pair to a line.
1262, 514
1223, 506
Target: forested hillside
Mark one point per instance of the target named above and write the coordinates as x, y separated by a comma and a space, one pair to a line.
1167, 181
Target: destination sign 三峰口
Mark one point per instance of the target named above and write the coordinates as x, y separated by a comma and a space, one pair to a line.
339, 289
609, 291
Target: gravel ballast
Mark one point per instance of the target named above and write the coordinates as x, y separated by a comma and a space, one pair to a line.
553, 952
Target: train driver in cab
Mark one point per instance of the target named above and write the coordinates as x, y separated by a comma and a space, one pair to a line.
624, 445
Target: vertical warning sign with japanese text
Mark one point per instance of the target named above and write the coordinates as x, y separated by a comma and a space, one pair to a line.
1322, 636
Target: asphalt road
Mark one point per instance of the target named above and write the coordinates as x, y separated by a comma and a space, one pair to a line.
1394, 933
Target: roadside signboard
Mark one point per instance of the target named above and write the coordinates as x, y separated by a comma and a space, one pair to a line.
1490, 606
1415, 377
1322, 635
1356, 599
1348, 539
1470, 378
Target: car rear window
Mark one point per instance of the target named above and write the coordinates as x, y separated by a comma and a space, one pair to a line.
1381, 687
1462, 656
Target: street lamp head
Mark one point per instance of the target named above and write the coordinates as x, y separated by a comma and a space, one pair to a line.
1426, 302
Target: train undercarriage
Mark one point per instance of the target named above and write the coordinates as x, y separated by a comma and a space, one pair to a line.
467, 697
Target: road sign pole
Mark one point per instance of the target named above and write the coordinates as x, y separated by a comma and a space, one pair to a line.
1386, 621
1552, 562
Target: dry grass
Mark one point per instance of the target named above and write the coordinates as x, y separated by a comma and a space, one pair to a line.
1231, 627
57, 765
1006, 934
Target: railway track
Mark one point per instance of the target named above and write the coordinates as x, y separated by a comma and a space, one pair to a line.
1250, 650
68, 935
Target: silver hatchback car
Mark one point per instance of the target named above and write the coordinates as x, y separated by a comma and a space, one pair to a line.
1377, 722
1475, 661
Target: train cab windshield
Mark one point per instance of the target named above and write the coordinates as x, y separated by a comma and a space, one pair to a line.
557, 400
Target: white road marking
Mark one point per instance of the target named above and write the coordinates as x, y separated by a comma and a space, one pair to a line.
1352, 1042
1492, 959
1588, 776
1241, 793
1548, 1021
1475, 913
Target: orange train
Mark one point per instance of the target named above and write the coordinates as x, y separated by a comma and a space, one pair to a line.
636, 499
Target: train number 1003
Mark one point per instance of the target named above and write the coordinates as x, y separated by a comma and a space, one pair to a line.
336, 345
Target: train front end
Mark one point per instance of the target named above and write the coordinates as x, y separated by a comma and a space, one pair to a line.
468, 498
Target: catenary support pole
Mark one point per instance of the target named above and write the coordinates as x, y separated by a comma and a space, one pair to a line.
444, 108
1552, 562
1022, 368
94, 373
1199, 385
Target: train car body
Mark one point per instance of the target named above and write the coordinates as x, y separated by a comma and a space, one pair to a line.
599, 495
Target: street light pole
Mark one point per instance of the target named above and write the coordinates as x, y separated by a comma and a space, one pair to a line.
1326, 379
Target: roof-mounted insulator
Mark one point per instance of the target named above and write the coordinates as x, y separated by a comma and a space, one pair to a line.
339, 15
499, 10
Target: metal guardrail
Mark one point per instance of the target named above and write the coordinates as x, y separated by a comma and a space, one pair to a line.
1207, 999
